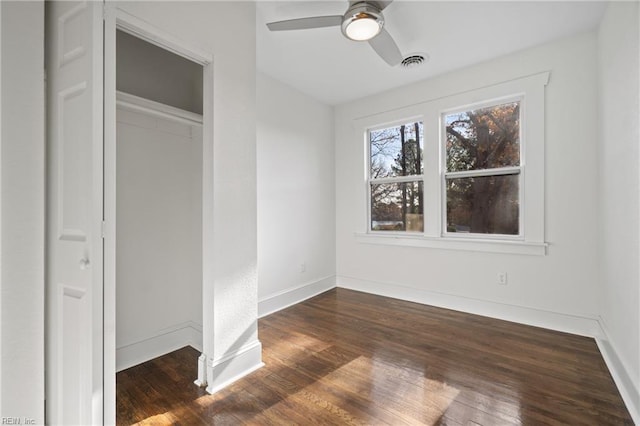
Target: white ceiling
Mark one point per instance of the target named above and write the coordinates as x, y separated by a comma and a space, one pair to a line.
324, 64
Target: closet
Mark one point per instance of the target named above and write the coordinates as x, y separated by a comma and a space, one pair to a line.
158, 202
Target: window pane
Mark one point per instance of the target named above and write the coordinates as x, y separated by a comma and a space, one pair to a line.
397, 207
483, 138
483, 205
396, 151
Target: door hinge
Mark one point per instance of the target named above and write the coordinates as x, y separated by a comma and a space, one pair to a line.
102, 227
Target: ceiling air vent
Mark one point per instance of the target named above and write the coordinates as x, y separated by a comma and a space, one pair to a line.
414, 60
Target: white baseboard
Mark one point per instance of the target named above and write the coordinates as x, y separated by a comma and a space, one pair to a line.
574, 324
163, 342
231, 367
294, 295
629, 390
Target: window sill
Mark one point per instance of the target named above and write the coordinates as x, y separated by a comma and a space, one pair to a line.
469, 244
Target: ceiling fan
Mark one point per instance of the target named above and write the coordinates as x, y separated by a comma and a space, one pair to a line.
363, 21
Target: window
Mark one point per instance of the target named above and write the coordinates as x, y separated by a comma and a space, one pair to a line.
482, 170
395, 178
468, 174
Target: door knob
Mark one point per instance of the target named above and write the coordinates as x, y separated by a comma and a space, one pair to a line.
84, 263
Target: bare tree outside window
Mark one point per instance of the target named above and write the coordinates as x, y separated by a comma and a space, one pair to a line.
395, 178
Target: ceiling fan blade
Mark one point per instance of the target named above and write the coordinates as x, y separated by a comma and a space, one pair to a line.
386, 48
306, 23
382, 4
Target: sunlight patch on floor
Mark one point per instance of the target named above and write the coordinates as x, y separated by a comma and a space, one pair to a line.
298, 342
505, 408
363, 378
204, 401
168, 418
403, 385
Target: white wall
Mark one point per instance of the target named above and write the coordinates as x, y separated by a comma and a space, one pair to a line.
295, 160
159, 236
22, 226
618, 53
558, 290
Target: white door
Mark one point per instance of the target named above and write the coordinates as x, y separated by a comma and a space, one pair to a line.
75, 198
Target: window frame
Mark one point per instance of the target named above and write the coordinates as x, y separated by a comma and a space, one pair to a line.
531, 239
393, 179
497, 171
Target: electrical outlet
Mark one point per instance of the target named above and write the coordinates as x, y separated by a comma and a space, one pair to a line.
303, 267
502, 278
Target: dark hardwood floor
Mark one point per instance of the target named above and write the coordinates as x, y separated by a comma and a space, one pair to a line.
352, 358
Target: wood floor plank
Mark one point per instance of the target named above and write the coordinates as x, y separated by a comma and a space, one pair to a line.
351, 358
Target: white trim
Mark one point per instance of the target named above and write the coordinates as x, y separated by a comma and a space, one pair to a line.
293, 295
151, 34
1, 191
208, 230
233, 366
628, 389
501, 245
580, 324
134, 103
201, 381
160, 343
108, 216
97, 211
394, 123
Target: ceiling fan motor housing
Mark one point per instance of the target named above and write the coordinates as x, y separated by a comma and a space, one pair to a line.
362, 11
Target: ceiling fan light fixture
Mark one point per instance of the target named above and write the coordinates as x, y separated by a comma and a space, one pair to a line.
362, 22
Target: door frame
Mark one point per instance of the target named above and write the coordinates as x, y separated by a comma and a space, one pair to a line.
116, 18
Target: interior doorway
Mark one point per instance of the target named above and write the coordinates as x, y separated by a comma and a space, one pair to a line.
175, 115
158, 201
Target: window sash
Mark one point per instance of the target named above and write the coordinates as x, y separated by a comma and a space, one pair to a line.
498, 171
392, 180
504, 171
396, 123
397, 179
